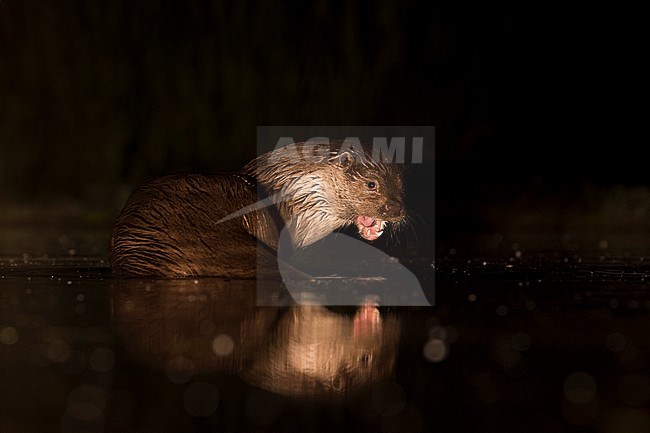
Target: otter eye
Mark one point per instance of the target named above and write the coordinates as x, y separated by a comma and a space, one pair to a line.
372, 185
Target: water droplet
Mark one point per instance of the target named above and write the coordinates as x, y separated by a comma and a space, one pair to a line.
223, 345
438, 332
435, 350
579, 387
521, 341
86, 402
615, 342
58, 351
9, 335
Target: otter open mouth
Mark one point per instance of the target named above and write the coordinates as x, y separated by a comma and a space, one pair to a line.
370, 228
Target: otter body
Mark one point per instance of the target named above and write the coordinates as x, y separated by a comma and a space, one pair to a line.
215, 225
168, 228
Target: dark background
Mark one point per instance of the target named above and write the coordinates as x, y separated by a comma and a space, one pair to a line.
540, 159
535, 107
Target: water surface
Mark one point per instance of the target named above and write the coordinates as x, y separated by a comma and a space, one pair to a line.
547, 345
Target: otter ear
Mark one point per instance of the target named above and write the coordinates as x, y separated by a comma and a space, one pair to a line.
344, 159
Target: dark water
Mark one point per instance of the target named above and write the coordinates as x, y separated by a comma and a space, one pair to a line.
550, 345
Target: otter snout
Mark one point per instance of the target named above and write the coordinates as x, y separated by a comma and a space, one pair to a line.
391, 209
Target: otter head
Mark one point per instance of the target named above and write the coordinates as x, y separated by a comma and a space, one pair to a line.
320, 187
372, 195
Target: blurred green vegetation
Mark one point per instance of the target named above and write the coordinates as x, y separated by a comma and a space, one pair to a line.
99, 95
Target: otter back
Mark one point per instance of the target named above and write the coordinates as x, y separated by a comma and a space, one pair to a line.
168, 227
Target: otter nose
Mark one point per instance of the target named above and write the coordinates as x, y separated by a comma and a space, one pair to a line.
391, 208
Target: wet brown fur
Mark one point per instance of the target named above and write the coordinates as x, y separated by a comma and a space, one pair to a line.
171, 226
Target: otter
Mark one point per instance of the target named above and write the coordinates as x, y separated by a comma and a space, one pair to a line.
228, 225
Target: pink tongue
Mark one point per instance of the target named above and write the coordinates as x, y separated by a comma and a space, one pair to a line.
368, 227
365, 221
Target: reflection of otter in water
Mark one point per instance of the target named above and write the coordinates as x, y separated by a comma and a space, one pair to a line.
316, 351
180, 225
186, 327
